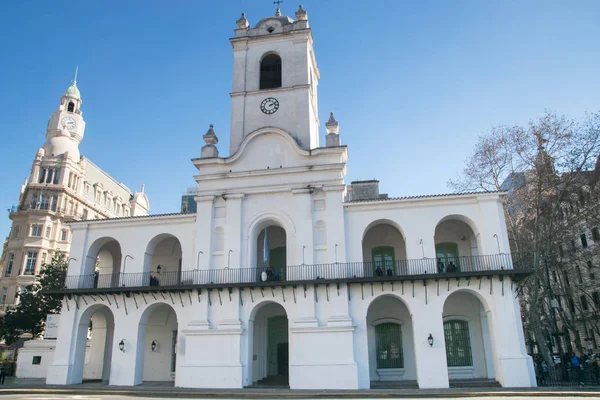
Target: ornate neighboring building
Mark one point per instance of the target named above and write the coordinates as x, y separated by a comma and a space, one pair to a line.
63, 186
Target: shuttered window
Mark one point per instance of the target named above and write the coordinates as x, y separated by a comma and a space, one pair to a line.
458, 343
388, 342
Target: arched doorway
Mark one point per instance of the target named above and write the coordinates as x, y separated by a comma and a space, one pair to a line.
94, 344
269, 340
103, 263
162, 263
271, 254
456, 245
384, 250
467, 335
390, 341
157, 343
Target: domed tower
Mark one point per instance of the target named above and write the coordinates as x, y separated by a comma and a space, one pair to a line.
66, 125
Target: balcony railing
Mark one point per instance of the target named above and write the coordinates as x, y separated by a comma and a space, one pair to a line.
357, 271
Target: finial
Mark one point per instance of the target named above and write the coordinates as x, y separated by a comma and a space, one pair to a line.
301, 14
75, 78
209, 150
209, 137
332, 125
143, 187
242, 23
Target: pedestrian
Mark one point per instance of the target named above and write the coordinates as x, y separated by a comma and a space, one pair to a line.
2, 374
575, 362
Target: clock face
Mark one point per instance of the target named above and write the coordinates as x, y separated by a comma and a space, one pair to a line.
269, 105
68, 122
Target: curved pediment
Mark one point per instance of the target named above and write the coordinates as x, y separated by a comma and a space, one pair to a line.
268, 147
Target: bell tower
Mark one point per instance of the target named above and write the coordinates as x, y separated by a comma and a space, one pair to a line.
275, 78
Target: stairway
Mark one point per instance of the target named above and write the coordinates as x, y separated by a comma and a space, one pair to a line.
387, 385
474, 383
278, 381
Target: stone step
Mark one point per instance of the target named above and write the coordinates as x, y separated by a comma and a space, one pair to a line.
473, 383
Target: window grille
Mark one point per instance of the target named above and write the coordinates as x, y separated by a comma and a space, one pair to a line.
9, 265
36, 230
388, 342
31, 261
174, 351
458, 343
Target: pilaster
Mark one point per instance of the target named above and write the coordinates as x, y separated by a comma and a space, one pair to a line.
204, 227
233, 230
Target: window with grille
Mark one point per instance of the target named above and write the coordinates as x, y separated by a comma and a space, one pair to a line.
270, 72
31, 261
16, 232
48, 231
37, 360
584, 303
174, 351
458, 343
595, 234
591, 270
9, 265
63, 235
36, 230
388, 344
383, 261
596, 298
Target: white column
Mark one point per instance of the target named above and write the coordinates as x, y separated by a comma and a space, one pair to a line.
432, 369
515, 367
127, 367
62, 371
204, 226
336, 232
304, 233
233, 230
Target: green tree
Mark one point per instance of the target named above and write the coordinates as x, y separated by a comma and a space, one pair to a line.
34, 303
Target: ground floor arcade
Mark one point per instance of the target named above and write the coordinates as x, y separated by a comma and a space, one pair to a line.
308, 337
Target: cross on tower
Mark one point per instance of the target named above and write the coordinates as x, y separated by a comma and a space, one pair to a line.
278, 2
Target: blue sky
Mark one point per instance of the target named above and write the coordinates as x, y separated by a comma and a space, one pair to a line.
412, 83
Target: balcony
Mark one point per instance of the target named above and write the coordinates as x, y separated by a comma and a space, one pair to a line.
45, 208
357, 272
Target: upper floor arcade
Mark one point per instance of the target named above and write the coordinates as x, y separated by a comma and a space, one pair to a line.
393, 240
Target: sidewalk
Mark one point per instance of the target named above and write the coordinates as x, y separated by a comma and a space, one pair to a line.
159, 389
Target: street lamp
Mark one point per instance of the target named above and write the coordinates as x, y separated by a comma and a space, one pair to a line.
430, 340
153, 345
122, 345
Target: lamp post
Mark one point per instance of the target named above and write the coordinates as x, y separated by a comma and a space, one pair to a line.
430, 340
125, 262
198, 260
497, 242
122, 345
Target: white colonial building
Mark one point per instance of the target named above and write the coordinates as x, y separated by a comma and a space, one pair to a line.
63, 186
285, 274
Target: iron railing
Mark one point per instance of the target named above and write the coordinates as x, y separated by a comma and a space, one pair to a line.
564, 375
299, 273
